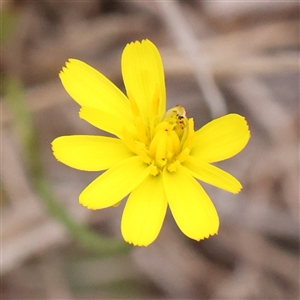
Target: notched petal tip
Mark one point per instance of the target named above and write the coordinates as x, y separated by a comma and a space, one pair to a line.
68, 62
244, 123
247, 128
208, 234
62, 72
87, 205
140, 42
65, 69
53, 147
136, 244
237, 190
205, 236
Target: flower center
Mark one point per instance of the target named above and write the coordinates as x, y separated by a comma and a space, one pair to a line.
166, 144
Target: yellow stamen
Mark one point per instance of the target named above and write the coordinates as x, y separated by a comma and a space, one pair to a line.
166, 144
154, 170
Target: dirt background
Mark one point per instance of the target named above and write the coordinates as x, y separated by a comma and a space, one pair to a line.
219, 57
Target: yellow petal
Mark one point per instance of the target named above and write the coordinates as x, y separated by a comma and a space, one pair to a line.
113, 185
144, 212
221, 138
191, 207
107, 122
143, 77
90, 153
212, 175
90, 88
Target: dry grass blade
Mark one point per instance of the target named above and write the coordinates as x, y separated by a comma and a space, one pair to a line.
198, 59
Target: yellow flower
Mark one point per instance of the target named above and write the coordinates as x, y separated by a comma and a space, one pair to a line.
155, 155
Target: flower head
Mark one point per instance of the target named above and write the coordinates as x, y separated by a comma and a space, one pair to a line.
155, 156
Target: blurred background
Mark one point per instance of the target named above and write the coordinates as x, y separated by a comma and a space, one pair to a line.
219, 57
